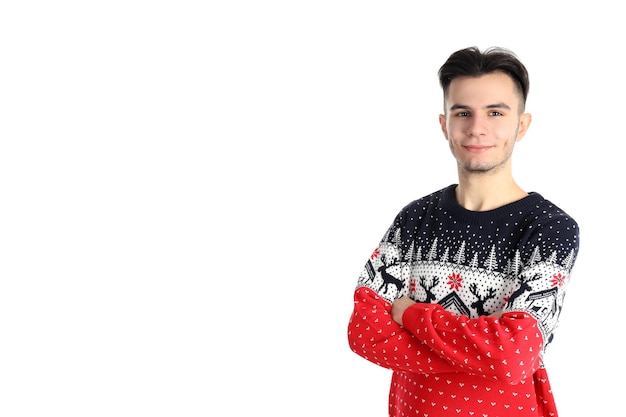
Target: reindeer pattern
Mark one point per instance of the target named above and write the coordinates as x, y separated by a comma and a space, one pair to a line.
463, 288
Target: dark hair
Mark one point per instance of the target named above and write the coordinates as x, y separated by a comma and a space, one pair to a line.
471, 62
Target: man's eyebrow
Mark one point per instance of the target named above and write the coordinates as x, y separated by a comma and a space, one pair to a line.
459, 106
498, 106
490, 106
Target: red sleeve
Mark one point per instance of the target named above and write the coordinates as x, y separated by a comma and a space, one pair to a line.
505, 348
374, 335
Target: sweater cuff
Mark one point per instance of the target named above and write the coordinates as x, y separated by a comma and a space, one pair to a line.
413, 313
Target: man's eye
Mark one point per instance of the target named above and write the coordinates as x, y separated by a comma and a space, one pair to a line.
496, 113
462, 114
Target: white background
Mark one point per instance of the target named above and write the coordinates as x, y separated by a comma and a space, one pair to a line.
189, 190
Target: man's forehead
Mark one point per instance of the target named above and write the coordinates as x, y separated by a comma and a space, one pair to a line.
496, 81
487, 91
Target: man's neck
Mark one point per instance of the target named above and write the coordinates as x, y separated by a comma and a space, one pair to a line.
485, 192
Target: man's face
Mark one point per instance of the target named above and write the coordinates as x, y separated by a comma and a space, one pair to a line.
482, 121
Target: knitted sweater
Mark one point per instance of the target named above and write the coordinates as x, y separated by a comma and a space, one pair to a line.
489, 288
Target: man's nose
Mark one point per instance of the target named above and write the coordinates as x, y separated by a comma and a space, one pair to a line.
477, 126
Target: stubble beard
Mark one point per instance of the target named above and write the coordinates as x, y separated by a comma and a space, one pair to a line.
487, 167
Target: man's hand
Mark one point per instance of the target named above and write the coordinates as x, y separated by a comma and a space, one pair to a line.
398, 307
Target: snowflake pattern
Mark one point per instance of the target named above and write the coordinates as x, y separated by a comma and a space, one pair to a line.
454, 281
558, 279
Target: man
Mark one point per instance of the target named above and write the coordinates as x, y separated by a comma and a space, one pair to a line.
463, 294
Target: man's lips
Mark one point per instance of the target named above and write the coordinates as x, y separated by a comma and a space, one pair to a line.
476, 149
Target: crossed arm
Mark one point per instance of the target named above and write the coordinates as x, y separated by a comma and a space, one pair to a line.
425, 338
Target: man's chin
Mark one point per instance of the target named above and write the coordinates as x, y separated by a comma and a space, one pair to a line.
477, 168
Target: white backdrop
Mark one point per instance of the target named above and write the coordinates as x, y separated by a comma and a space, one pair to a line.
190, 190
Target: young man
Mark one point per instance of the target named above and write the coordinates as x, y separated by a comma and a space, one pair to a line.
463, 294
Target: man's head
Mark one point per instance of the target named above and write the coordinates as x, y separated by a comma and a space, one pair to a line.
472, 62
484, 101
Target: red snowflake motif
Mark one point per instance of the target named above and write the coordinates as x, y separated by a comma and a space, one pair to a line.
375, 254
558, 279
506, 300
413, 286
454, 281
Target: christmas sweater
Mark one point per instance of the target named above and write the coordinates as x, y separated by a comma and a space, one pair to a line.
489, 288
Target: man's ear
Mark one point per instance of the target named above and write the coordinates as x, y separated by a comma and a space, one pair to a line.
524, 124
442, 123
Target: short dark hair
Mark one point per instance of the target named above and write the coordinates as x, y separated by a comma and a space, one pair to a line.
472, 62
